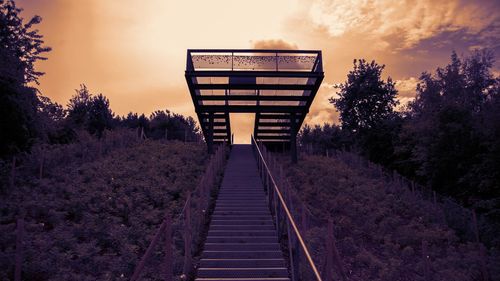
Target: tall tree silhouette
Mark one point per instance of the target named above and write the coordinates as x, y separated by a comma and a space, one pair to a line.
449, 127
366, 104
89, 112
20, 47
364, 98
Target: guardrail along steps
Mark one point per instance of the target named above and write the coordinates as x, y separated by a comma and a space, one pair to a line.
242, 242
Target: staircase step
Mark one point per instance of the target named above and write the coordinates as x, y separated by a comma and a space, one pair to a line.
248, 207
246, 227
243, 279
239, 211
267, 221
239, 263
241, 233
241, 217
242, 254
243, 272
242, 239
242, 246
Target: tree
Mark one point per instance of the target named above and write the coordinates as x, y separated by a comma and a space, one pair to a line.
365, 99
91, 113
100, 116
450, 134
20, 47
366, 104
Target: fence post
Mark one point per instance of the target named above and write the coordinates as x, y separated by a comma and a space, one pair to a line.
482, 256
329, 252
425, 259
303, 217
40, 171
334, 252
187, 237
19, 248
168, 248
13, 172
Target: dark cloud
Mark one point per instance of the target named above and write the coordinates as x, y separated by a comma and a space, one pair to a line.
274, 44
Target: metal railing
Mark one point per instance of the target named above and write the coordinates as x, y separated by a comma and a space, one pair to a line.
183, 233
285, 223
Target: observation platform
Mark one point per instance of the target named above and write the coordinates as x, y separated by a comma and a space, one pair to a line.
277, 85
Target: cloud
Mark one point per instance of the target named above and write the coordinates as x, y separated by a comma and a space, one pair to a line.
273, 44
406, 87
322, 111
403, 24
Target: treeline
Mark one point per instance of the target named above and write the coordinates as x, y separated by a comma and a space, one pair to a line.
447, 138
92, 113
27, 117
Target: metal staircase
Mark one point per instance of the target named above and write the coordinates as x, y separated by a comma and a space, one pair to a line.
242, 242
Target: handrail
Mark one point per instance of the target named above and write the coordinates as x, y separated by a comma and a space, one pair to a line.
288, 214
215, 163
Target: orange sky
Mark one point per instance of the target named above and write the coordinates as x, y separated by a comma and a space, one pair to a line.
134, 52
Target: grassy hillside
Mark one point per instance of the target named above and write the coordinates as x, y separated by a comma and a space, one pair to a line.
379, 228
94, 220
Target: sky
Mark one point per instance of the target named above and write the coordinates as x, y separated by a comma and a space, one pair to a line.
134, 52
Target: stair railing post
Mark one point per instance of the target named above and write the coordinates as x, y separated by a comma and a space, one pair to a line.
293, 242
168, 248
187, 237
277, 212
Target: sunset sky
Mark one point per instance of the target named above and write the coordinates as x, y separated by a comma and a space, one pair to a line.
134, 52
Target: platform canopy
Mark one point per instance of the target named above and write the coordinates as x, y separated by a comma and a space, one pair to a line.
277, 85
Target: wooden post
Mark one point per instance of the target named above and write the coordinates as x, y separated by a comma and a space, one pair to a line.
482, 255
334, 252
168, 248
13, 172
166, 134
425, 260
303, 217
474, 226
329, 252
187, 237
435, 198
40, 170
19, 248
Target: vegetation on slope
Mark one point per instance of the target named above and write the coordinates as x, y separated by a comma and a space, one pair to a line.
380, 228
93, 221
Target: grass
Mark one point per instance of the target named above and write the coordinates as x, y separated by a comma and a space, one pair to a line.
94, 220
379, 228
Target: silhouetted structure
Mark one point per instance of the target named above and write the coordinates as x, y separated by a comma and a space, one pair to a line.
277, 85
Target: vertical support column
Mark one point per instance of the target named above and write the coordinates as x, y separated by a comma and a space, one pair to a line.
293, 138
210, 133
